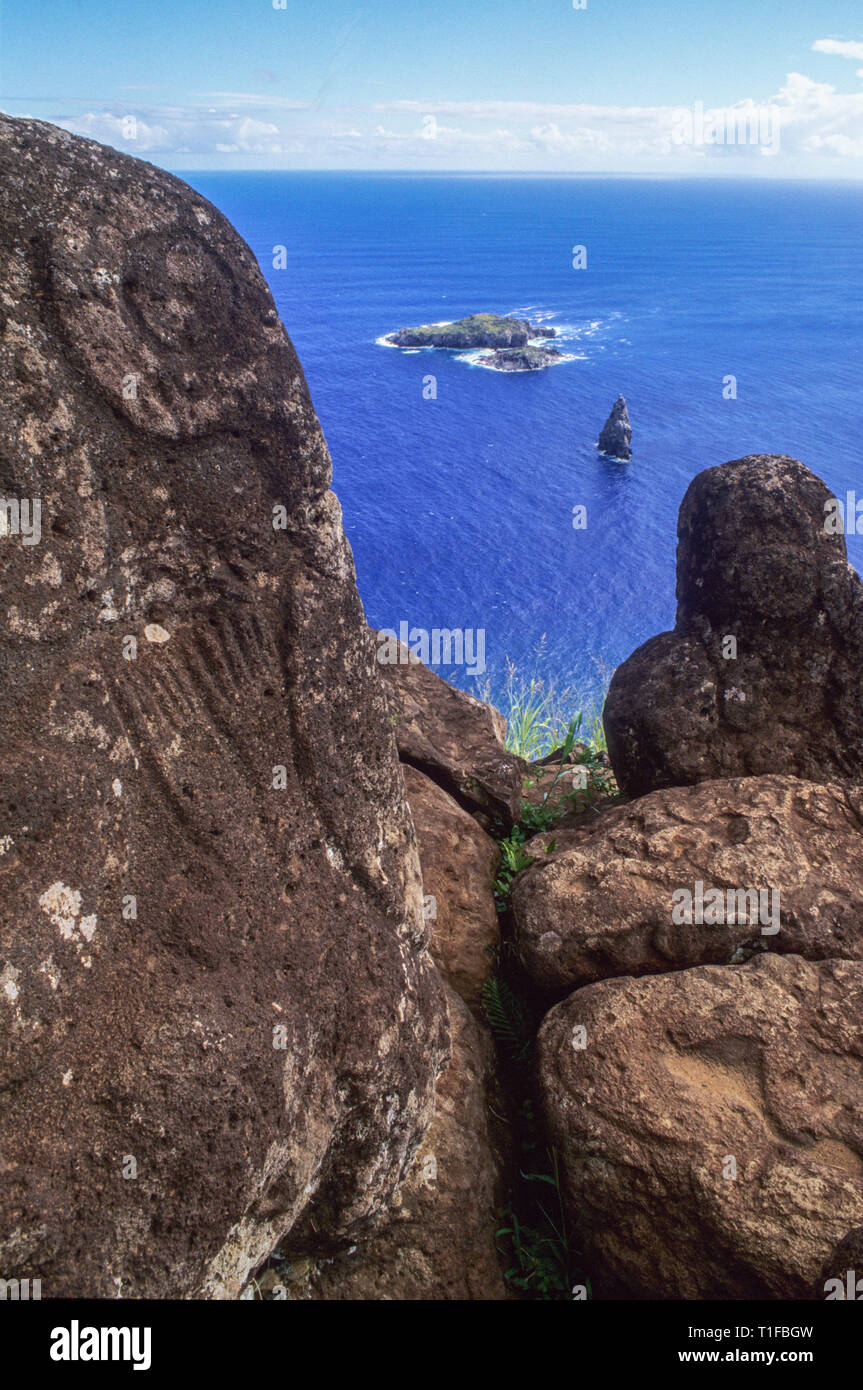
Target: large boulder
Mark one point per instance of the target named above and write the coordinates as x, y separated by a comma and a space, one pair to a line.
459, 862
764, 669
455, 739
710, 1125
620, 895
219, 1021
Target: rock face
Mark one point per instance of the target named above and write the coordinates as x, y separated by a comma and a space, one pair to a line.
616, 437
710, 1124
459, 862
456, 740
764, 669
438, 1239
218, 1021
608, 900
439, 1242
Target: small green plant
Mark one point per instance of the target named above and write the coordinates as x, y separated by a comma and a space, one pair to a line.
533, 1236
540, 1254
537, 818
537, 1267
507, 1018
512, 861
565, 750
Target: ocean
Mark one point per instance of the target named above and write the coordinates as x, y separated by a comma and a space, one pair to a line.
458, 497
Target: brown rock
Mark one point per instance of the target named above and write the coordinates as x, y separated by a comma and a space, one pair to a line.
574, 790
451, 737
603, 902
756, 568
459, 862
440, 1241
678, 1075
203, 824
841, 1279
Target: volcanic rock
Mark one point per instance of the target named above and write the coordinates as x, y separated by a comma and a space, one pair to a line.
219, 1021
439, 1241
459, 862
530, 359
454, 739
474, 331
841, 1279
616, 436
710, 1125
610, 898
763, 672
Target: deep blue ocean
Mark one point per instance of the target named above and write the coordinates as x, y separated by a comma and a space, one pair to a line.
459, 509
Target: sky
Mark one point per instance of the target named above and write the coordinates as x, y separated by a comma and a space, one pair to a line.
764, 88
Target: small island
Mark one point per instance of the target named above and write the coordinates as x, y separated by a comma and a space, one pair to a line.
501, 343
528, 359
475, 331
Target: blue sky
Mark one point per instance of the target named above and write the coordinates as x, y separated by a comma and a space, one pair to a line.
763, 87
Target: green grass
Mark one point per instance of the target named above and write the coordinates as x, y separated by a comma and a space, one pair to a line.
539, 1259
474, 323
539, 714
534, 819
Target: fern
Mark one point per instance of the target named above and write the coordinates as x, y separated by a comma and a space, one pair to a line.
507, 1018
512, 861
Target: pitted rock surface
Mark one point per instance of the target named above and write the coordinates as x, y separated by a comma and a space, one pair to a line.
763, 672
620, 895
439, 1241
459, 862
455, 739
203, 826
710, 1125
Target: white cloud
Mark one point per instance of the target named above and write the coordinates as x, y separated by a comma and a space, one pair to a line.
839, 47
170, 130
125, 132
818, 120
821, 131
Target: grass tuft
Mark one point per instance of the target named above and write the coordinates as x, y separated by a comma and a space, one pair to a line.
539, 714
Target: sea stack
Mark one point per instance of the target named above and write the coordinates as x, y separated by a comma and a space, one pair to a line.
617, 432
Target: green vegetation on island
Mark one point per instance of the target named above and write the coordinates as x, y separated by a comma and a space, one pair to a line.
474, 331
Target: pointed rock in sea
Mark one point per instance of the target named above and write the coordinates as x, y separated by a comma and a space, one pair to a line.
616, 435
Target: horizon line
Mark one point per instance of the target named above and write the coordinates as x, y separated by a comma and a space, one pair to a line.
514, 173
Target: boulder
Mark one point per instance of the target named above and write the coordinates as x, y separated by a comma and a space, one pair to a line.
439, 1243
454, 739
764, 669
219, 1021
710, 1125
616, 436
610, 897
459, 862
